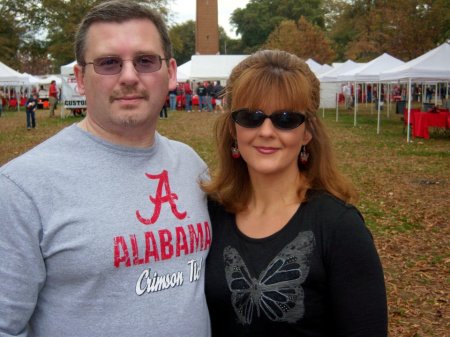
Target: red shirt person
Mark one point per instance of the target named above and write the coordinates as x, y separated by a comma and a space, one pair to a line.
52, 97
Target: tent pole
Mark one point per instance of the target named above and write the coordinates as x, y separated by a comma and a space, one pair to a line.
17, 99
371, 103
378, 110
388, 99
355, 103
435, 94
409, 111
337, 105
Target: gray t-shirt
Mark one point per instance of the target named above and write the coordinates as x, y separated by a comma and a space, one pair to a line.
103, 240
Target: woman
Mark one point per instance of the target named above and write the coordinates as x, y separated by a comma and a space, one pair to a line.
290, 255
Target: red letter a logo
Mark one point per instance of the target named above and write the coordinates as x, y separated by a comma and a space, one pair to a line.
159, 199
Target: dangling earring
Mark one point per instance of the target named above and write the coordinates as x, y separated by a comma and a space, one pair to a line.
304, 155
235, 151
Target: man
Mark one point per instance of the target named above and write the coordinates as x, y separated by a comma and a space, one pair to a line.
188, 96
52, 98
31, 107
201, 93
104, 230
218, 94
209, 95
347, 91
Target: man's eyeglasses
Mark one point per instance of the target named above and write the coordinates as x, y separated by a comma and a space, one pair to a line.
283, 120
112, 65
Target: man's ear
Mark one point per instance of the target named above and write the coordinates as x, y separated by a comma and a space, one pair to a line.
79, 75
172, 70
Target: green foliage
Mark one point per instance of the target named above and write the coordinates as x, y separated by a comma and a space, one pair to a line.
183, 41
62, 18
405, 29
259, 18
228, 46
302, 39
12, 30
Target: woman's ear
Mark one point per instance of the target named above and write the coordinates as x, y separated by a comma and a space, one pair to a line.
232, 128
307, 136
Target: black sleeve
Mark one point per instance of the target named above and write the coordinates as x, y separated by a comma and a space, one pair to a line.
356, 280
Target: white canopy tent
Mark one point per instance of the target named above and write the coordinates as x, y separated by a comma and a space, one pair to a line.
329, 82
313, 65
67, 69
49, 78
184, 72
431, 66
213, 67
332, 75
12, 78
71, 99
434, 65
32, 80
323, 69
369, 73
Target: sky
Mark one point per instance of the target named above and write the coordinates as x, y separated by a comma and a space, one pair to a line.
184, 10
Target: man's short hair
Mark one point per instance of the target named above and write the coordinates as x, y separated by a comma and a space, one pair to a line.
120, 11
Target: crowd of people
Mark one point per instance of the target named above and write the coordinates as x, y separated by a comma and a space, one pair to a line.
196, 96
424, 93
109, 228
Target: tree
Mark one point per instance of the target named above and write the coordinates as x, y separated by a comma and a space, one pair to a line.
407, 40
372, 35
364, 29
183, 41
259, 18
62, 19
12, 30
302, 39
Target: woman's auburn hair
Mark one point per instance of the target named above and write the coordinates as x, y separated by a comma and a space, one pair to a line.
284, 79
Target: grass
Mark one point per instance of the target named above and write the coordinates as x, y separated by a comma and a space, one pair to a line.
404, 197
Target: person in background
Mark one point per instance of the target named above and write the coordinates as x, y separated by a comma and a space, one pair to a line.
443, 95
173, 99
428, 94
347, 91
291, 255
52, 98
218, 94
209, 95
163, 112
201, 93
104, 228
31, 107
188, 96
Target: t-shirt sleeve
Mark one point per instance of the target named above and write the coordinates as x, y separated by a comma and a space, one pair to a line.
356, 280
22, 269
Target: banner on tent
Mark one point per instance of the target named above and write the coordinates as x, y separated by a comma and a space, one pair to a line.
71, 98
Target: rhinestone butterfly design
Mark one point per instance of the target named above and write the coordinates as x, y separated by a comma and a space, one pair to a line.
277, 292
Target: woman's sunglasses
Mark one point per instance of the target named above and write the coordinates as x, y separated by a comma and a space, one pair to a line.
283, 120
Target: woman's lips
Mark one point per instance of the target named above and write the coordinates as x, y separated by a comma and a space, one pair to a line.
266, 150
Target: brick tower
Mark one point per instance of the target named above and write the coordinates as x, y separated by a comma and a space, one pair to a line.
207, 28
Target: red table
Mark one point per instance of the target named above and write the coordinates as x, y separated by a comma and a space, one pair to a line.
424, 120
